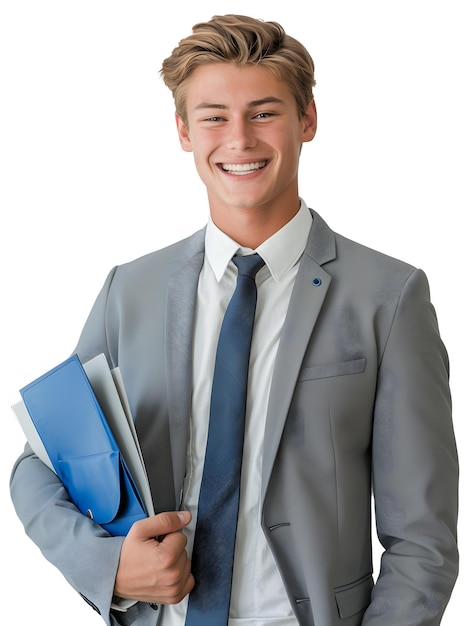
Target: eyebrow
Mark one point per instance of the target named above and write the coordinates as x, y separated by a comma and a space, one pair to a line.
250, 105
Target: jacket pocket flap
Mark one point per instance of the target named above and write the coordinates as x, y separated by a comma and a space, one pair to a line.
355, 366
94, 484
353, 598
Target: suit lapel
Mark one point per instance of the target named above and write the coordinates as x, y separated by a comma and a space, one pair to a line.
309, 292
181, 299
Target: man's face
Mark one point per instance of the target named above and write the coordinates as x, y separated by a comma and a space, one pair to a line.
245, 134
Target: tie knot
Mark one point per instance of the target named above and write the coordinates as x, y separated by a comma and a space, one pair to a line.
248, 265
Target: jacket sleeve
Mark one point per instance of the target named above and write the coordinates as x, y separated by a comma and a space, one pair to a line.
86, 555
415, 469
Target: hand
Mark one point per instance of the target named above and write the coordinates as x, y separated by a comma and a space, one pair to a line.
155, 570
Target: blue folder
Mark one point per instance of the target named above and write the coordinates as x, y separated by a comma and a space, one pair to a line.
82, 448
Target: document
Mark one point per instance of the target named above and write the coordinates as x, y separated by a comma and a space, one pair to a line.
109, 389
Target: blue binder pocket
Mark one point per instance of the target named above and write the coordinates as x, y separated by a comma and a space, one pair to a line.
102, 488
82, 447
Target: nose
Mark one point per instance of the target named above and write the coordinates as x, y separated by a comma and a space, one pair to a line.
240, 135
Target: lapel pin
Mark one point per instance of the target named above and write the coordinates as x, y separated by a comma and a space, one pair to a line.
317, 282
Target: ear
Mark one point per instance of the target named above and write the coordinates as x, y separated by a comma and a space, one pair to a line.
309, 122
183, 133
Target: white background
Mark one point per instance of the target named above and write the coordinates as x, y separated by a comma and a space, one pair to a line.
92, 175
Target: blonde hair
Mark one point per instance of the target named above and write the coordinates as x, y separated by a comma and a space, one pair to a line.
240, 40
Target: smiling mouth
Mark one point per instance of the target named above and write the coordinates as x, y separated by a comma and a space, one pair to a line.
242, 169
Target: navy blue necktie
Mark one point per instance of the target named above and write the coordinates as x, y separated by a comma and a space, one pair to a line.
213, 552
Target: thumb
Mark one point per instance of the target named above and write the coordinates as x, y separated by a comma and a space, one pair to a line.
161, 524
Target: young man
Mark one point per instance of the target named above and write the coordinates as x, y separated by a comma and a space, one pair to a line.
347, 387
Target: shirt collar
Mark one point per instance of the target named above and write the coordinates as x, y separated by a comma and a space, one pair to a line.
280, 252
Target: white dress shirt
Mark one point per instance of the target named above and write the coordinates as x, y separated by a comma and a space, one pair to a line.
258, 594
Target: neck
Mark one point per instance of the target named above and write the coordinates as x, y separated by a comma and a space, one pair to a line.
249, 227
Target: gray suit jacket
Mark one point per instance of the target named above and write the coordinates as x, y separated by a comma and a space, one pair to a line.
359, 401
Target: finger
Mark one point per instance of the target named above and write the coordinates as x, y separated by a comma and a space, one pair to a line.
161, 524
179, 587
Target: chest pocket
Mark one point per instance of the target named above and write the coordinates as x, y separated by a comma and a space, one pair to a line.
329, 370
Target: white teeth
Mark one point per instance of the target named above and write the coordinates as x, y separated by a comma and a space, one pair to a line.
243, 168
